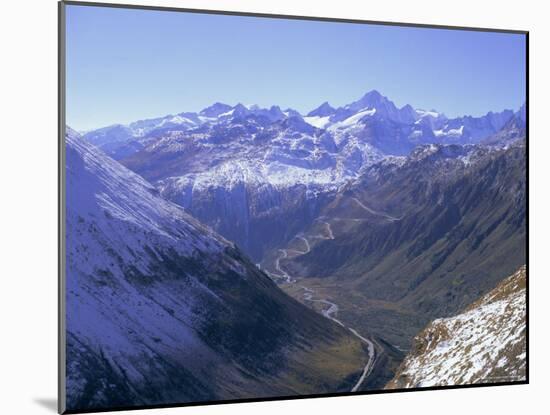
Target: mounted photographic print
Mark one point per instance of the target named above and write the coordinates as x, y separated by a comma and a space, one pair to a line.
258, 207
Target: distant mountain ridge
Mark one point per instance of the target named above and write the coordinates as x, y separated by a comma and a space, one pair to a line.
256, 166
423, 126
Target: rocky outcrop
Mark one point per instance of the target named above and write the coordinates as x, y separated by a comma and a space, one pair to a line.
486, 343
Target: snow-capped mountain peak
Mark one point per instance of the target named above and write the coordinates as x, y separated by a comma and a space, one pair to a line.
372, 99
215, 110
323, 110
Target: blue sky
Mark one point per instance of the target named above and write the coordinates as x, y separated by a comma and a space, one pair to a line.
128, 64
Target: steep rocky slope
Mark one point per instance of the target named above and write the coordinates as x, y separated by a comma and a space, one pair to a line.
514, 129
486, 343
161, 309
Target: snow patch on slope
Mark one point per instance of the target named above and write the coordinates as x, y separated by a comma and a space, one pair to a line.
316, 121
486, 343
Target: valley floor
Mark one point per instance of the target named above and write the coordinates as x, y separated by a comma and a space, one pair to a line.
318, 296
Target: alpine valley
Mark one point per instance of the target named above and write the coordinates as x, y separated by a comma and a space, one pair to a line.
245, 252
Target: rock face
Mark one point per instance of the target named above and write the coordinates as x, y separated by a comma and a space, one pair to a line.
161, 309
256, 216
484, 344
515, 127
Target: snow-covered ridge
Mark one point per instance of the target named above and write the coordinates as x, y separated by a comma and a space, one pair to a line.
95, 183
484, 344
323, 117
317, 121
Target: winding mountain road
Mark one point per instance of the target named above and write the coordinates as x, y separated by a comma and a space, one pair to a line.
370, 364
327, 227
308, 247
282, 272
329, 313
329, 230
332, 308
374, 212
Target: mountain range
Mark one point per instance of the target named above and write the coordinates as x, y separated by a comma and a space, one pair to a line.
390, 129
242, 169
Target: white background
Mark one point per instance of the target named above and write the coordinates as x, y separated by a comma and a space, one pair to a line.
28, 206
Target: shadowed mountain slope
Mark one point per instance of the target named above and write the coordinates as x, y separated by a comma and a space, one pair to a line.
161, 309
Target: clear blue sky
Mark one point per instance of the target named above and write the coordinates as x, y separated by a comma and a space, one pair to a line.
127, 64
